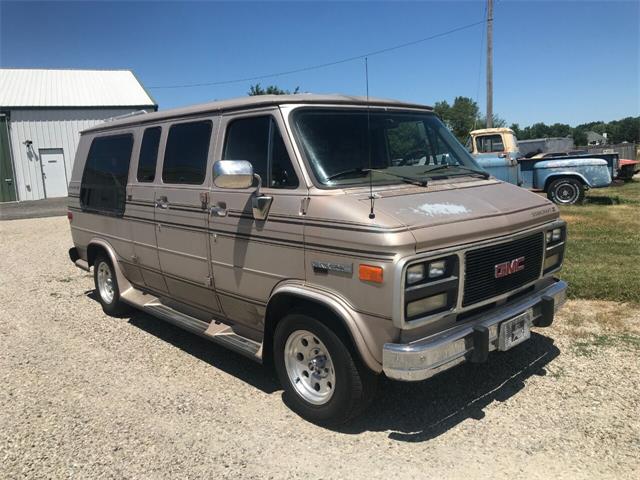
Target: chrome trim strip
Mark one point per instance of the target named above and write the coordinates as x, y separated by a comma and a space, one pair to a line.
421, 359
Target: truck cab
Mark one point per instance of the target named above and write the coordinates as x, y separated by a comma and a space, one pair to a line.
563, 178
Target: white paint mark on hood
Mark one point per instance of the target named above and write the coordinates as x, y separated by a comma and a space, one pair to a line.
438, 209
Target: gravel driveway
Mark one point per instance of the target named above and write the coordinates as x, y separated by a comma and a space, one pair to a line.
85, 395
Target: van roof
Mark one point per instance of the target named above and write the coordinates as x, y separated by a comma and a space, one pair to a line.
249, 102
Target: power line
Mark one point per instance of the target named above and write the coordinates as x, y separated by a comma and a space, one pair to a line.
323, 65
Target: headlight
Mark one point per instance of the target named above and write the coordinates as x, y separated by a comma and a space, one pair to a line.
431, 287
553, 236
555, 249
437, 269
551, 261
415, 274
429, 304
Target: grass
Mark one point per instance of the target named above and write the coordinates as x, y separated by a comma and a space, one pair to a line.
589, 347
602, 260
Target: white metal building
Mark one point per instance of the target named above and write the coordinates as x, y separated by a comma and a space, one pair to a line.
41, 115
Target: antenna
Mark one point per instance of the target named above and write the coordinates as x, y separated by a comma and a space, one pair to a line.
372, 214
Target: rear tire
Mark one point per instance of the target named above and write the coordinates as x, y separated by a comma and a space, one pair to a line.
323, 381
566, 191
107, 290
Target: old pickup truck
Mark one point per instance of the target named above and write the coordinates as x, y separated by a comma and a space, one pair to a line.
563, 178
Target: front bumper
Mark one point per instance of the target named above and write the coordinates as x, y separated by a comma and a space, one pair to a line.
472, 341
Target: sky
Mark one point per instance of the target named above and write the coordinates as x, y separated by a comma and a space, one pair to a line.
554, 61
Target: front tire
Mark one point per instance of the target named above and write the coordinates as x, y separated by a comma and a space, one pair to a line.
566, 191
323, 381
107, 289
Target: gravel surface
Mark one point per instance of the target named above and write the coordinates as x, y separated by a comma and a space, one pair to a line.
85, 395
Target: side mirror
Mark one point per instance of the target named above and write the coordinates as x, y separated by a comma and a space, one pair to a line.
233, 174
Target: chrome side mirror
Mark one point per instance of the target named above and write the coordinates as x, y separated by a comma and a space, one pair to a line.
233, 174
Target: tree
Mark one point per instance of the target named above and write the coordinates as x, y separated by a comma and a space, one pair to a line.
270, 90
460, 118
497, 122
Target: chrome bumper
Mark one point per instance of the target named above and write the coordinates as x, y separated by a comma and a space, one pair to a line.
472, 341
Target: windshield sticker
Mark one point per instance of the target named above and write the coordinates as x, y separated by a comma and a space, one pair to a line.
438, 209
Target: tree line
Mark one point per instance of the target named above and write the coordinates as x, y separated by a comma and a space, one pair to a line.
463, 115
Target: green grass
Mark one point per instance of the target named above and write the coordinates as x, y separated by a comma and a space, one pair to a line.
590, 346
602, 260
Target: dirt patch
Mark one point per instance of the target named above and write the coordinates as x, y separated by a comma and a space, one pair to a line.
85, 395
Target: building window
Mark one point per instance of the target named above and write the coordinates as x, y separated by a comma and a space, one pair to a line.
185, 156
258, 140
104, 181
149, 155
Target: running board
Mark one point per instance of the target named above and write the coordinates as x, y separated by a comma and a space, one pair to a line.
218, 332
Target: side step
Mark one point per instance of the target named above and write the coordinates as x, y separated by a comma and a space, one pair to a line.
216, 331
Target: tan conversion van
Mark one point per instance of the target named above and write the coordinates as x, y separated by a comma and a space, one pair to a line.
336, 237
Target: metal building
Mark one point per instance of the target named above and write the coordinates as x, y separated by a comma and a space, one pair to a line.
41, 115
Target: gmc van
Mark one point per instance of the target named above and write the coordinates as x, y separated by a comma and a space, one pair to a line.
333, 237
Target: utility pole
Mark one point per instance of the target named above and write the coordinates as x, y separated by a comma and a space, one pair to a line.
489, 63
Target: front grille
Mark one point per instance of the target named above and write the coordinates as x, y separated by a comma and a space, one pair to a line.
480, 282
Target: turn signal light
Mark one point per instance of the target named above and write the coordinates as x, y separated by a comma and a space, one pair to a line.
370, 273
70, 216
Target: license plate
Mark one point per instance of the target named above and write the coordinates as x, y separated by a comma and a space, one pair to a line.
515, 331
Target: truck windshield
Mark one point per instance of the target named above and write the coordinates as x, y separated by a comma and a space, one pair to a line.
345, 147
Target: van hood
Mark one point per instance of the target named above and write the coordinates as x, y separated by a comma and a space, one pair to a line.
454, 214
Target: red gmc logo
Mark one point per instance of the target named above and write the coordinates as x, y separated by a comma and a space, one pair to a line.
507, 268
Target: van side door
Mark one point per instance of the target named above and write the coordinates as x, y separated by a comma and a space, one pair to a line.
141, 209
181, 213
251, 256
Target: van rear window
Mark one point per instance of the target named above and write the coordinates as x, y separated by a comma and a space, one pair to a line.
185, 156
104, 181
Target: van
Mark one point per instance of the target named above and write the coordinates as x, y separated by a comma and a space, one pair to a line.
335, 238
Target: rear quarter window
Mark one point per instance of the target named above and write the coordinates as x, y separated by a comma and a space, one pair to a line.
104, 180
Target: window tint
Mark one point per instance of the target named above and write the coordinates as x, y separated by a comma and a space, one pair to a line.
258, 140
248, 139
185, 156
490, 143
104, 181
148, 155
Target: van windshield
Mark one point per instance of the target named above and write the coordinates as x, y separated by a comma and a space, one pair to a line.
345, 147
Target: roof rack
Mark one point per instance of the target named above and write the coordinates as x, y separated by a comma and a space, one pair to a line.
126, 115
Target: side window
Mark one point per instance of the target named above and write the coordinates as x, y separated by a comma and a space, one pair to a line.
104, 180
489, 143
185, 156
148, 155
258, 140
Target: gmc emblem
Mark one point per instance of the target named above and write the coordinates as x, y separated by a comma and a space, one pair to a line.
507, 268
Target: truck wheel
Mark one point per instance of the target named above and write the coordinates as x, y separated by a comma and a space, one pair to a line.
107, 287
566, 191
323, 382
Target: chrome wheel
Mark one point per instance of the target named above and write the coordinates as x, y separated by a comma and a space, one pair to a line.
567, 192
105, 282
309, 367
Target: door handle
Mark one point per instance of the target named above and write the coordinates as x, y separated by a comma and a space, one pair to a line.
162, 202
219, 210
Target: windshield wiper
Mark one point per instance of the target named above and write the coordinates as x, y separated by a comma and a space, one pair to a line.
352, 171
445, 166
363, 171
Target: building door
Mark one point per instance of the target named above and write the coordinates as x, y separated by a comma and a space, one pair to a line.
54, 174
7, 179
